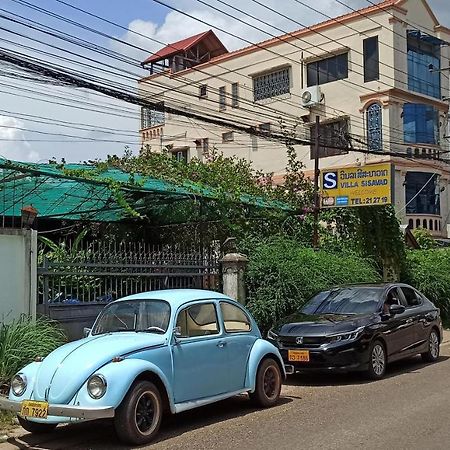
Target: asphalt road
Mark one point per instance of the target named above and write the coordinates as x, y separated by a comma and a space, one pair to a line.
409, 409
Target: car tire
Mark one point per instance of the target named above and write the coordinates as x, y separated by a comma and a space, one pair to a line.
432, 354
268, 384
377, 361
36, 427
138, 418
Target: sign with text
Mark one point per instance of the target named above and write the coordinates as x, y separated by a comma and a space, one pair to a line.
357, 186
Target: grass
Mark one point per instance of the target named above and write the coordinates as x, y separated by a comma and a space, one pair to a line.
23, 340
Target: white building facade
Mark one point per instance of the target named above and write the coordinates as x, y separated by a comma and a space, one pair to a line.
374, 77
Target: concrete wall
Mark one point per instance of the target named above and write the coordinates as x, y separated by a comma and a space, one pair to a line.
18, 277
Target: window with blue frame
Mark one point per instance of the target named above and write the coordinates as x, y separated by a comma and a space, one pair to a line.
424, 51
374, 128
420, 124
422, 193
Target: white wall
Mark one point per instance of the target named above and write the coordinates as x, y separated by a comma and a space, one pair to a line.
18, 278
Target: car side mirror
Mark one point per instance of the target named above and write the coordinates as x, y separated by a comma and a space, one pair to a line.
396, 309
86, 331
176, 334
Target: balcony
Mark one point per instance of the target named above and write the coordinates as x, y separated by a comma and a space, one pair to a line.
147, 134
432, 223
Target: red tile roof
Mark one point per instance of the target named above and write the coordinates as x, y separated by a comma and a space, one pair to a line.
210, 39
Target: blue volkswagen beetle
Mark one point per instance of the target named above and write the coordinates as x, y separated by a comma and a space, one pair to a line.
147, 354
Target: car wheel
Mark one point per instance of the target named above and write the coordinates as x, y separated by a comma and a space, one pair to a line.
432, 354
138, 418
377, 361
268, 384
36, 427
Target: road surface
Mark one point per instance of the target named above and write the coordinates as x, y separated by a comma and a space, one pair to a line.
409, 409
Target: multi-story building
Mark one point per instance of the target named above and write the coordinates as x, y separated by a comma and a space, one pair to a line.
376, 77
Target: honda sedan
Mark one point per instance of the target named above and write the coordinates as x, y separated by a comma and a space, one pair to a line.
359, 327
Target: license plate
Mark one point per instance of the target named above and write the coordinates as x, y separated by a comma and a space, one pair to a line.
298, 355
31, 408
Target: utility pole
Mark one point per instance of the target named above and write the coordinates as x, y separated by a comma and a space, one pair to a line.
316, 185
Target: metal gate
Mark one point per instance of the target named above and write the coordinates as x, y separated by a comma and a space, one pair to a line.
73, 286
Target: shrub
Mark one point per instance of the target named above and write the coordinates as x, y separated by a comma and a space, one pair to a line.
21, 341
282, 276
424, 238
429, 272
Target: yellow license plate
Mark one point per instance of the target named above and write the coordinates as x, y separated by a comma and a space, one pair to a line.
31, 408
298, 355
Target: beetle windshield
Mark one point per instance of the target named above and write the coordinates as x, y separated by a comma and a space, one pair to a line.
134, 315
351, 300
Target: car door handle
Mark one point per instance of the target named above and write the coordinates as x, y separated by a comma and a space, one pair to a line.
221, 344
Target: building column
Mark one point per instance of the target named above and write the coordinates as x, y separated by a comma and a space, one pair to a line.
233, 269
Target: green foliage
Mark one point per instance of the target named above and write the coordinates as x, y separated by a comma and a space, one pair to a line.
282, 275
424, 238
429, 272
23, 340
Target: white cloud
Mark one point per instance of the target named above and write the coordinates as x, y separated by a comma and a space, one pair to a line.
13, 144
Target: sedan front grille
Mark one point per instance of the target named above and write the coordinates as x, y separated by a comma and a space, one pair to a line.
308, 341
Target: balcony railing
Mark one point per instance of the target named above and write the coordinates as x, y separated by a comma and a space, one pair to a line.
432, 223
155, 132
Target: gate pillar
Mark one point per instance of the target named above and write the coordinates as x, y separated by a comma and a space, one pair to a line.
233, 269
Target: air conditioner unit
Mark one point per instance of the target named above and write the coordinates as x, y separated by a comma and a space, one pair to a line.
311, 96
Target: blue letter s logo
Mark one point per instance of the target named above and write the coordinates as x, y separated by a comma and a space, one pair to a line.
330, 180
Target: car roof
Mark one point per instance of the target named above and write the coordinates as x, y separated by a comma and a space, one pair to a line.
177, 297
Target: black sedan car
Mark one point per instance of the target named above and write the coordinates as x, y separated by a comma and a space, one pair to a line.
359, 327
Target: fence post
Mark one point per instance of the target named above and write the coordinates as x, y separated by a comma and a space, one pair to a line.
233, 268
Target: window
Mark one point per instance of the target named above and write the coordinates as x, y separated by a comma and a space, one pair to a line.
420, 124
203, 91
424, 51
422, 193
374, 128
181, 154
331, 135
202, 144
254, 143
222, 98
198, 320
228, 136
371, 59
151, 117
412, 299
327, 70
235, 95
271, 84
234, 319
264, 128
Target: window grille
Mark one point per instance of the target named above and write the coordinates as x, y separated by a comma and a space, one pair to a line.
203, 91
235, 95
222, 98
374, 127
228, 136
333, 138
150, 117
271, 84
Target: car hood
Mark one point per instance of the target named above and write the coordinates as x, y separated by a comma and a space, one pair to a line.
66, 369
300, 324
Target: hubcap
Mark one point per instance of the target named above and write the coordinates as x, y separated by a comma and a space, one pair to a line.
434, 345
145, 413
270, 382
378, 359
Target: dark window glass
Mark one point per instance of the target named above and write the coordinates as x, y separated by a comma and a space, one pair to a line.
222, 98
203, 90
181, 155
422, 193
371, 59
374, 128
151, 117
412, 299
423, 51
420, 124
235, 95
351, 300
333, 138
327, 70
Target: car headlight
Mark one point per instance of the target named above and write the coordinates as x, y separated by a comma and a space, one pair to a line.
19, 384
272, 335
345, 337
96, 386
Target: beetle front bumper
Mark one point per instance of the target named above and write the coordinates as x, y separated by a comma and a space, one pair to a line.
77, 412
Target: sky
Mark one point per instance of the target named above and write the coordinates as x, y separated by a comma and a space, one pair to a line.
40, 121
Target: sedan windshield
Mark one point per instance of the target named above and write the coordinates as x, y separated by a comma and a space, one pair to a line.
352, 300
134, 315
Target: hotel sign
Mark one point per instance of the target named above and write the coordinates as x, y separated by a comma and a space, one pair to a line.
357, 186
